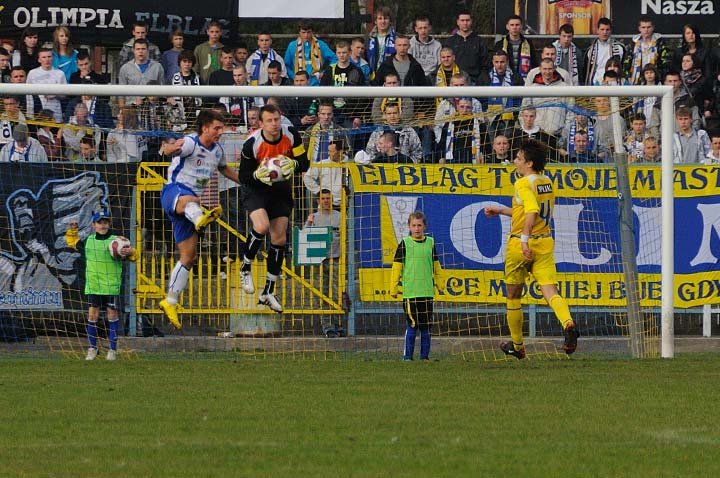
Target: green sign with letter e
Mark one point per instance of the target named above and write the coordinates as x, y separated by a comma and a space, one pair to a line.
311, 245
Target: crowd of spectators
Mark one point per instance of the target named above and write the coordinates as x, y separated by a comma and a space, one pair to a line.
449, 131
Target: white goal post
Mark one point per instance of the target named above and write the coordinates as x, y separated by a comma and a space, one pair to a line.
663, 92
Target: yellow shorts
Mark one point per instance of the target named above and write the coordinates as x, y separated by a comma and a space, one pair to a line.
517, 268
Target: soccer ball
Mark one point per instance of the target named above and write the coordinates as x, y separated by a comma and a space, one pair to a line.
273, 165
116, 247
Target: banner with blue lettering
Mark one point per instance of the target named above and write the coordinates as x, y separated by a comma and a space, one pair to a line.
588, 251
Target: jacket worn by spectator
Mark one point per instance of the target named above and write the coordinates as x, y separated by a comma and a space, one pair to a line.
597, 54
295, 108
206, 60
133, 74
685, 100
408, 142
99, 111
551, 119
426, 53
375, 56
692, 148
520, 57
311, 56
257, 63
571, 57
415, 75
472, 56
33, 152
643, 53
318, 177
126, 52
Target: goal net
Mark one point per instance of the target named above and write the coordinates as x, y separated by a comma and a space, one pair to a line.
376, 155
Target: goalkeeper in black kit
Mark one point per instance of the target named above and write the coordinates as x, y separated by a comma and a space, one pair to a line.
269, 200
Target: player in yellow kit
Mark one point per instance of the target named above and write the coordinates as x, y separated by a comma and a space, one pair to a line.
530, 246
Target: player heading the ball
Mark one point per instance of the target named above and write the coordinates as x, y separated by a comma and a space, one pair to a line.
195, 158
530, 246
269, 203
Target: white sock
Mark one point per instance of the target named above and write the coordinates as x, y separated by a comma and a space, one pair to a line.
193, 212
178, 281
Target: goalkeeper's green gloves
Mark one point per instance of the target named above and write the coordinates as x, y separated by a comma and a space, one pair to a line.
288, 166
72, 236
262, 174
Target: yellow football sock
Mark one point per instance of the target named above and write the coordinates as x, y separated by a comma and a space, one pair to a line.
560, 307
515, 322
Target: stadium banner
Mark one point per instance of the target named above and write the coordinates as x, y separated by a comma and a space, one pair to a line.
546, 16
291, 9
587, 240
38, 201
101, 22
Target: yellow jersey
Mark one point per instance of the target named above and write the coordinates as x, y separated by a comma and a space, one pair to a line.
533, 193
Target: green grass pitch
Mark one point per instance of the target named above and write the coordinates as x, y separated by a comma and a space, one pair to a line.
352, 418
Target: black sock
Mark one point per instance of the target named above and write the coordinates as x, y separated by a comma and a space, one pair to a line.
252, 244
276, 256
269, 287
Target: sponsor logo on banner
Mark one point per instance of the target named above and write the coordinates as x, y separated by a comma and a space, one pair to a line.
546, 16
677, 7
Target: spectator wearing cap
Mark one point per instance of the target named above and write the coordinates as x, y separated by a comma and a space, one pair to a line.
50, 140
23, 147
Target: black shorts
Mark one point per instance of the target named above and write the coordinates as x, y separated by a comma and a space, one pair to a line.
419, 312
103, 301
276, 205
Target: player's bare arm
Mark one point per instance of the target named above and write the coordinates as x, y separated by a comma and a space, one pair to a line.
230, 173
492, 211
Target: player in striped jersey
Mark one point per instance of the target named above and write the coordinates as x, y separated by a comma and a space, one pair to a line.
530, 246
195, 158
269, 204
